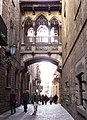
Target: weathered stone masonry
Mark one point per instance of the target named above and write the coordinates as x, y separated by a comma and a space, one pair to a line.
74, 73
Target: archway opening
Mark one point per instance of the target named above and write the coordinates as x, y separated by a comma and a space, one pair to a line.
42, 75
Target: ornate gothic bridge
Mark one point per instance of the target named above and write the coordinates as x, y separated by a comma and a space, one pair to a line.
41, 32
35, 50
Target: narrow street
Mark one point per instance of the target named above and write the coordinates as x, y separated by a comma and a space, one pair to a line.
44, 112
43, 57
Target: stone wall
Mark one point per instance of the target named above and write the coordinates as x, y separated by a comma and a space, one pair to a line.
74, 39
1, 7
11, 17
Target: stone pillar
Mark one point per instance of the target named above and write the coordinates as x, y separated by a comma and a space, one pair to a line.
22, 39
59, 36
22, 33
1, 7
49, 39
34, 36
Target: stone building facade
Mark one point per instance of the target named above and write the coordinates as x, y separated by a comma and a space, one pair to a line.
55, 87
30, 79
13, 73
9, 64
55, 84
37, 16
74, 71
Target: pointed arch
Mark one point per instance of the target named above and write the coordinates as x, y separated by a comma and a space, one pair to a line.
40, 20
26, 19
54, 23
28, 22
38, 15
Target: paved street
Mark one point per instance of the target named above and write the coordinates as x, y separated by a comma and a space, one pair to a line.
45, 112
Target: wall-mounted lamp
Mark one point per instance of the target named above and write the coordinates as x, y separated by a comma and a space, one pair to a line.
13, 49
10, 52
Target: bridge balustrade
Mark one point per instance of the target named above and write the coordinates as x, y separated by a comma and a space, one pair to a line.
42, 43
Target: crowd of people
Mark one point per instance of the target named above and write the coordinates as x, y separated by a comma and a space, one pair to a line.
34, 99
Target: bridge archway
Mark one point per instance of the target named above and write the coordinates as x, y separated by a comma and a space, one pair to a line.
39, 59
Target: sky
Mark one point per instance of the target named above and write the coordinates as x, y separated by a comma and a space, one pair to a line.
47, 71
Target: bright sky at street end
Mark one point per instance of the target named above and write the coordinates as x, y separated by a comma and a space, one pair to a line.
47, 71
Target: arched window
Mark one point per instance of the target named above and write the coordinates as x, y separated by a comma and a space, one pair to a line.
54, 35
54, 30
41, 20
27, 25
30, 34
42, 33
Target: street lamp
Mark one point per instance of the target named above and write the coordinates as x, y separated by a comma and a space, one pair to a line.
10, 52
13, 49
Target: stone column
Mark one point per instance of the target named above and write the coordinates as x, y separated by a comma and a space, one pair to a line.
22, 33
34, 36
49, 39
22, 39
59, 38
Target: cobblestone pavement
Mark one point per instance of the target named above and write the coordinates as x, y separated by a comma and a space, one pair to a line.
44, 112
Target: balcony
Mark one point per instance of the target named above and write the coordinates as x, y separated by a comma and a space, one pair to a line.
42, 45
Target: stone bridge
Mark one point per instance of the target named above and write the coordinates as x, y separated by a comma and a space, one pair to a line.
33, 51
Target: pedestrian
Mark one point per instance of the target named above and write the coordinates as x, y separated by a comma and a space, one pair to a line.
42, 99
25, 98
13, 102
55, 98
51, 100
46, 99
35, 99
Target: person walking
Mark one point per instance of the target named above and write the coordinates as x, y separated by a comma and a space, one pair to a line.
51, 100
42, 99
25, 98
46, 99
13, 102
35, 101
55, 98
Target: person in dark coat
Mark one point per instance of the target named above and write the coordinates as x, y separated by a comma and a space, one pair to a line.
25, 98
13, 102
51, 100
42, 99
46, 99
55, 98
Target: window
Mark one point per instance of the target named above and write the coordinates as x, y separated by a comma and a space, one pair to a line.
8, 77
30, 34
42, 33
80, 89
54, 34
16, 79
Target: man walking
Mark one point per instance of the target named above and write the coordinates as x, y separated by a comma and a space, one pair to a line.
13, 101
25, 98
35, 101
